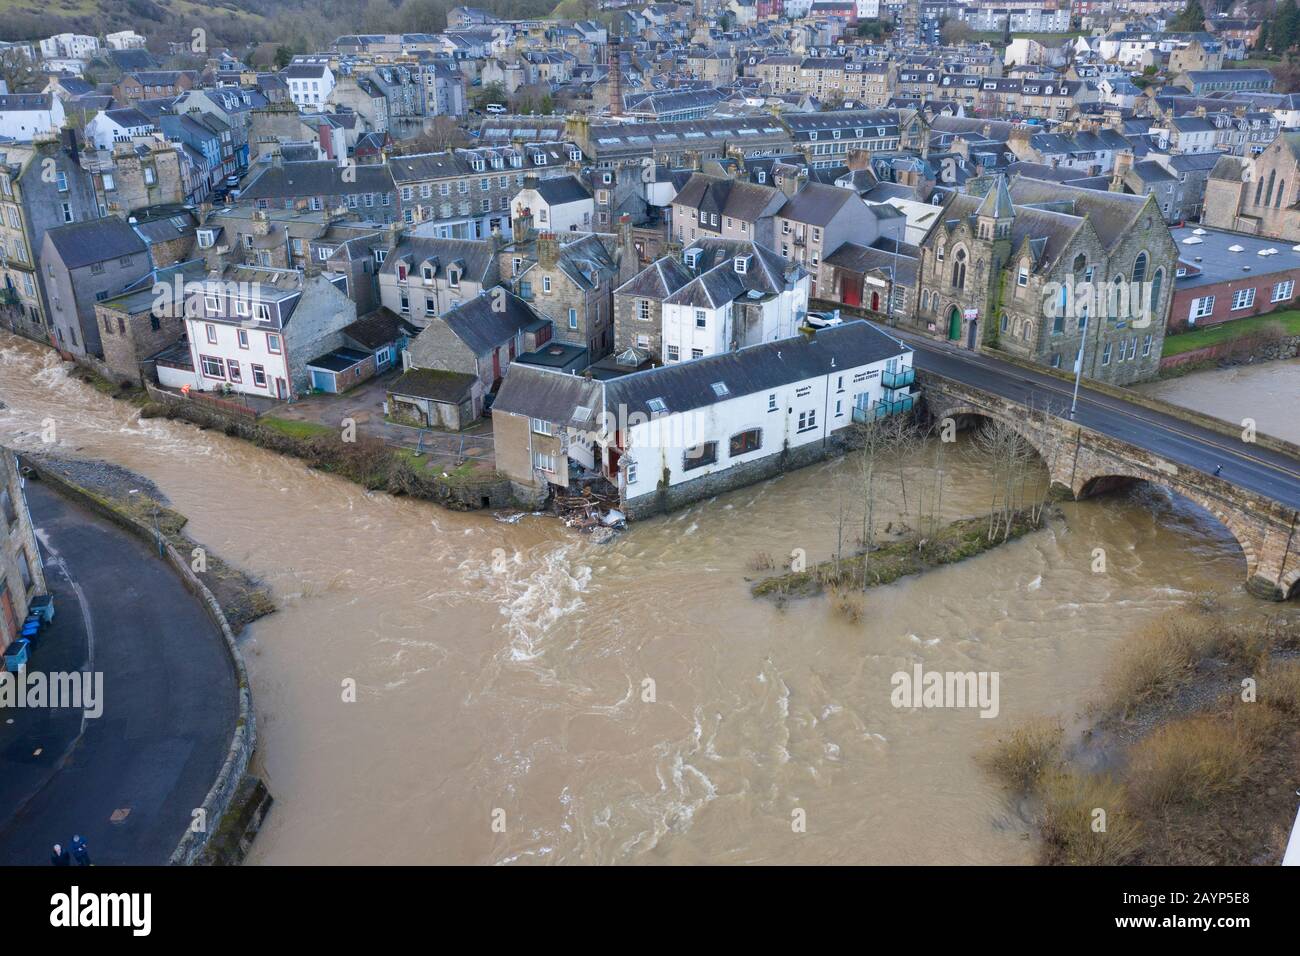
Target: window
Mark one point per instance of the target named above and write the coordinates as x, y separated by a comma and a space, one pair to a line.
259, 376
673, 353
273, 343
771, 402
1283, 290
643, 309
1140, 267
631, 471
211, 331
213, 367
703, 454
1105, 355
573, 318
233, 367
243, 338
701, 319
546, 283
544, 462
745, 442
1146, 345
1201, 307
807, 420
541, 427
1243, 298
1022, 277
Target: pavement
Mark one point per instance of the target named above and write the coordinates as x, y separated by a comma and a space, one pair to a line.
128, 780
1249, 466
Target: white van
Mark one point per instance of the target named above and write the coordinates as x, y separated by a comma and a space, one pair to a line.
495, 108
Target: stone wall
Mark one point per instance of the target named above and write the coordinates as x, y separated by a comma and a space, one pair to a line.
1239, 351
220, 799
1082, 462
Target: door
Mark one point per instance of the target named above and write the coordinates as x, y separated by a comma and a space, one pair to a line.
971, 335
954, 324
851, 289
875, 301
282, 389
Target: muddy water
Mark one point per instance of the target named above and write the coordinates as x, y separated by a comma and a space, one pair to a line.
501, 666
1268, 393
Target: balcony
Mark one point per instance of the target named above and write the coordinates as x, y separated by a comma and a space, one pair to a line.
903, 378
883, 408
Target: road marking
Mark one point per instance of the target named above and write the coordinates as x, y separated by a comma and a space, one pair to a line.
62, 565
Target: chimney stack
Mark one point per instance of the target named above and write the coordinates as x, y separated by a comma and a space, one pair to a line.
548, 250
522, 226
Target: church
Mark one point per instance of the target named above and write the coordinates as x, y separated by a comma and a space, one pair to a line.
1028, 267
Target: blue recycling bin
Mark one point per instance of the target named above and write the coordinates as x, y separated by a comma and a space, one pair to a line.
16, 655
42, 605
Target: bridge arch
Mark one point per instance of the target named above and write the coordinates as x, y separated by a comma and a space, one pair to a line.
1090, 485
1032, 437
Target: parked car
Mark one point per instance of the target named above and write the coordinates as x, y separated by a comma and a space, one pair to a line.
496, 108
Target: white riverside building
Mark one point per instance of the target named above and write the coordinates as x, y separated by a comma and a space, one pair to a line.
679, 433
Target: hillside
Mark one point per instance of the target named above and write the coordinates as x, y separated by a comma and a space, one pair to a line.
298, 24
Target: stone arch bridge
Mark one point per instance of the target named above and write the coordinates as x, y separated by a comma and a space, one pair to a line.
1084, 461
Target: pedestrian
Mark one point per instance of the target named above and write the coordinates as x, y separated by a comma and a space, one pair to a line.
80, 852
60, 856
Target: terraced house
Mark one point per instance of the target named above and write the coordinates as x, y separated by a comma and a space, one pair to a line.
466, 193
42, 186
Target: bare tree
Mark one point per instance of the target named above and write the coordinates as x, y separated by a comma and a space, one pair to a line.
17, 71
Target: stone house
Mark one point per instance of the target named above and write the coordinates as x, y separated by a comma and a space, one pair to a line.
84, 263
638, 306
570, 278
818, 219
718, 208
1028, 268
1259, 196
42, 185
136, 325
421, 278
22, 574
479, 338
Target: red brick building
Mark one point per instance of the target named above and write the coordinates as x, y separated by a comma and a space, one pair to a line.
1223, 276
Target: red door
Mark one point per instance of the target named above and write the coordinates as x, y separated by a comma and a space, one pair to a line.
875, 302
851, 289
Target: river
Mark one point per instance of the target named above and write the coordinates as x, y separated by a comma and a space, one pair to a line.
500, 666
1268, 393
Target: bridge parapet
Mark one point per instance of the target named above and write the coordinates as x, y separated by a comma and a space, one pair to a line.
1082, 462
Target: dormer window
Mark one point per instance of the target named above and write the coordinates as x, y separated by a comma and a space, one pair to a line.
741, 264
575, 155
692, 258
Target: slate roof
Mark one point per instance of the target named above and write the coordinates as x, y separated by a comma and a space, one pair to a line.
758, 368
817, 204
434, 384
562, 189
728, 197
482, 328
318, 178
1111, 214
552, 396
95, 240
379, 328
658, 280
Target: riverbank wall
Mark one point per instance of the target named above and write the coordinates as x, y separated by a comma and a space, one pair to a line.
366, 461
236, 794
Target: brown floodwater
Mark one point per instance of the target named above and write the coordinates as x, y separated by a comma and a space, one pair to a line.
500, 666
1268, 393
